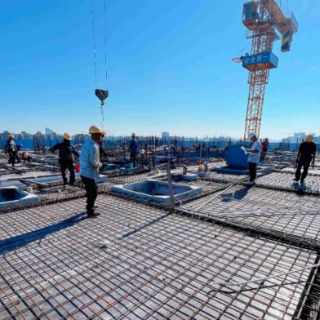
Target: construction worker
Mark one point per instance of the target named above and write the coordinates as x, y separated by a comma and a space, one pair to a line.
102, 150
265, 145
19, 147
254, 157
26, 157
133, 149
306, 155
66, 150
89, 168
11, 149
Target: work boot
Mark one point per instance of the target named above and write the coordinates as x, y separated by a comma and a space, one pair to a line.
93, 214
249, 183
302, 183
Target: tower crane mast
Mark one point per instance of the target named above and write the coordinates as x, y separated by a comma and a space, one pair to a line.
266, 21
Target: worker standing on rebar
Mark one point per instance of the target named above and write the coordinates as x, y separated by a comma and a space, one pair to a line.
19, 147
89, 168
11, 149
133, 149
265, 145
254, 157
306, 155
66, 150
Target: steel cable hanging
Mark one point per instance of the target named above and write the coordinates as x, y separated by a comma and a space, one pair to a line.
101, 94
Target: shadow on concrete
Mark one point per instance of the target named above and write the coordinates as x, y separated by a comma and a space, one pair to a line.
17, 242
261, 287
145, 226
237, 195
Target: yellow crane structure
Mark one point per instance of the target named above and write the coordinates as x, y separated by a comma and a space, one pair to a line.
266, 21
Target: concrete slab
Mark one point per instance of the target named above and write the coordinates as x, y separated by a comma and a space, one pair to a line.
156, 190
10, 196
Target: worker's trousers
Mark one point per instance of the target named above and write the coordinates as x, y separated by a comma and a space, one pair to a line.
305, 165
92, 191
64, 165
252, 171
133, 156
12, 157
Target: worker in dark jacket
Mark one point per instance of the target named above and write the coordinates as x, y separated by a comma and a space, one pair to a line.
11, 148
306, 155
102, 149
66, 159
133, 149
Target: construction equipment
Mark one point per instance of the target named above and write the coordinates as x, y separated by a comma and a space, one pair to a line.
266, 21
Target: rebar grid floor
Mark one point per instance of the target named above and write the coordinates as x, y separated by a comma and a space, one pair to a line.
136, 262
285, 181
295, 217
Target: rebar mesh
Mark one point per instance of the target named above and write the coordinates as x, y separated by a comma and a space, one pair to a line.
135, 262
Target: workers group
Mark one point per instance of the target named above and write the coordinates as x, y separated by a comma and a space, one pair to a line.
305, 157
90, 164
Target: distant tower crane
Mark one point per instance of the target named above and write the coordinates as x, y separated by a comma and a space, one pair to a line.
266, 22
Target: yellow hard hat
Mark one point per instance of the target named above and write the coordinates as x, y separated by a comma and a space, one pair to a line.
133, 135
25, 156
95, 129
67, 136
11, 135
309, 138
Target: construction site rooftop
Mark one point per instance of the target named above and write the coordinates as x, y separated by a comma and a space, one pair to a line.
227, 252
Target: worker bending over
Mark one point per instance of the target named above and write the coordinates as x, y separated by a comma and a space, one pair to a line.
26, 157
11, 149
254, 157
89, 168
133, 149
306, 155
66, 150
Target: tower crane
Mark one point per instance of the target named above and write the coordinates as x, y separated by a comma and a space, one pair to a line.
266, 21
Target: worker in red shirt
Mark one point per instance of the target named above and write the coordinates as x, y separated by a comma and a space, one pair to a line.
265, 145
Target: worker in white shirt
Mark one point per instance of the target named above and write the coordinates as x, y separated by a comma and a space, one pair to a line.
254, 157
89, 168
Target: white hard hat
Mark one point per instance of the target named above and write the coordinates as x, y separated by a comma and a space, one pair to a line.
251, 135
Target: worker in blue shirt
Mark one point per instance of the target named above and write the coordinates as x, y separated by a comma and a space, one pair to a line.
66, 150
133, 149
90, 167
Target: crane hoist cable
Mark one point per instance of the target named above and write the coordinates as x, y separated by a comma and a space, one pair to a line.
100, 93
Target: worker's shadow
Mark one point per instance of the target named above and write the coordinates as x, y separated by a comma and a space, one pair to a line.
228, 290
23, 240
237, 195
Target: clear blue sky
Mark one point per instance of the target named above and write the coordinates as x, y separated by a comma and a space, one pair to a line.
169, 68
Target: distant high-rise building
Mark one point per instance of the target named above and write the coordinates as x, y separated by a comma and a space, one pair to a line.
165, 135
48, 131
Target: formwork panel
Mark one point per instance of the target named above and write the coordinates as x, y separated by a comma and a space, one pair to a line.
135, 261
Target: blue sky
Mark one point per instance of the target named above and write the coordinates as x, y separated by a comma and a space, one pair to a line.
169, 68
